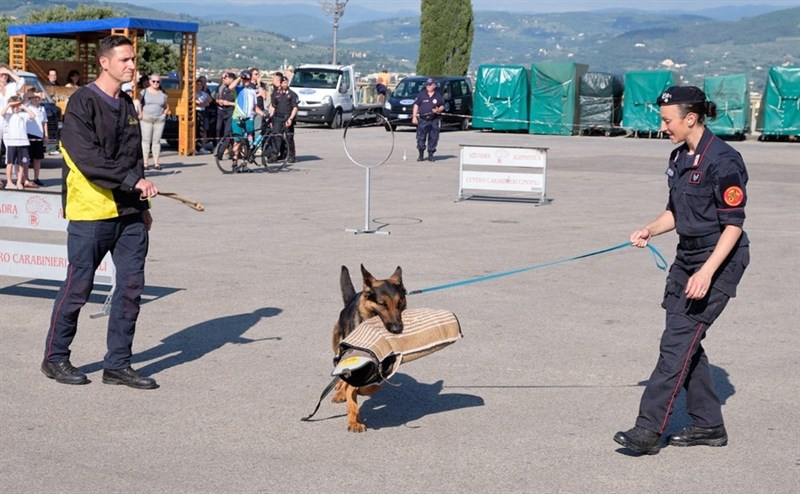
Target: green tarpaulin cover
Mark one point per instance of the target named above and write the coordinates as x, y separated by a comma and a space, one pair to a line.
780, 104
640, 113
500, 101
600, 101
554, 107
731, 96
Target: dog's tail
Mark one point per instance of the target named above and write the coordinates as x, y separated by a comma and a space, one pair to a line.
346, 284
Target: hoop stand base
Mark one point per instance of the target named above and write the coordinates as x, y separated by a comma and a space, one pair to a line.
366, 211
357, 231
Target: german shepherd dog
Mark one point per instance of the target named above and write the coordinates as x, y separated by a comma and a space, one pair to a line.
383, 298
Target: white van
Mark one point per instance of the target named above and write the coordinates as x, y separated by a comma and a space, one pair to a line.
328, 94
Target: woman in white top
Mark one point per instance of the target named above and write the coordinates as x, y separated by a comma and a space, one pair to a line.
155, 109
10, 85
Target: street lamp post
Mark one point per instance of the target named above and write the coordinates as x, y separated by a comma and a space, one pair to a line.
337, 10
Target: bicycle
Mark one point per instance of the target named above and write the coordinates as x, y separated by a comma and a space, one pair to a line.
270, 142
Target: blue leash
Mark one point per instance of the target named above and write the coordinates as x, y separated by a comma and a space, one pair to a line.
661, 264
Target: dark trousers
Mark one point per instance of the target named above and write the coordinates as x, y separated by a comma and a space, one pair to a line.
682, 361
280, 121
224, 123
428, 130
87, 243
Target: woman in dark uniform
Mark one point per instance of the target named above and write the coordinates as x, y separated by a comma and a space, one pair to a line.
707, 197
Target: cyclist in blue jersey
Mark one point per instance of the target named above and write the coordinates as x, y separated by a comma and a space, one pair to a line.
245, 107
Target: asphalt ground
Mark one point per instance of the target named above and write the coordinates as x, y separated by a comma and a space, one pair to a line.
241, 299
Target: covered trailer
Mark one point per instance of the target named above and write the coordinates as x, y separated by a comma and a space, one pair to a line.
600, 99
730, 94
640, 113
500, 101
779, 114
554, 106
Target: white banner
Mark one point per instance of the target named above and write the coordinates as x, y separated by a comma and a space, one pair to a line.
504, 156
31, 210
510, 182
45, 262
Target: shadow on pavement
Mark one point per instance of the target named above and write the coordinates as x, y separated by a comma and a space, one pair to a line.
196, 341
49, 289
409, 400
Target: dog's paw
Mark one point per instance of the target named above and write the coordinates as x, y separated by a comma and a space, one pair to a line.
357, 427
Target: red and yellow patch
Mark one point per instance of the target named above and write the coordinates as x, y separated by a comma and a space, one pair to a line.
733, 196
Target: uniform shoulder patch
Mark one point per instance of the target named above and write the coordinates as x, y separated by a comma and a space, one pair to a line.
733, 196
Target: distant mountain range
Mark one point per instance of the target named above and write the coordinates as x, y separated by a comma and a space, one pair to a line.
706, 43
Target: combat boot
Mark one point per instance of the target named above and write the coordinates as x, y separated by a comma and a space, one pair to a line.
640, 440
700, 436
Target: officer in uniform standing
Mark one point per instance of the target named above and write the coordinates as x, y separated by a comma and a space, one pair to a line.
426, 115
226, 100
283, 109
707, 196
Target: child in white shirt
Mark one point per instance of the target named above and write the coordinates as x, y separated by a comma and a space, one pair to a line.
16, 140
37, 133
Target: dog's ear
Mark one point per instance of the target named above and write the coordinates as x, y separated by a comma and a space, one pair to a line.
369, 280
346, 286
397, 276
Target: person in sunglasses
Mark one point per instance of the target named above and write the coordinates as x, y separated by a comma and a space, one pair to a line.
245, 108
153, 116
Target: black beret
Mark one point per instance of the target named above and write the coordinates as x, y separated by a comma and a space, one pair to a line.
681, 94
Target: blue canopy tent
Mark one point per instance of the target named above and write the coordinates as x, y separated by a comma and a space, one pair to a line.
88, 32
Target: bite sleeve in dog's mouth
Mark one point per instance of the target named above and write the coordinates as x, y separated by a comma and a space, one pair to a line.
371, 354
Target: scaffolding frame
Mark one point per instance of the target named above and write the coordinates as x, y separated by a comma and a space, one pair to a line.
88, 33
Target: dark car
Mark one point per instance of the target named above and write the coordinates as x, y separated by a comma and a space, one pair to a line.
457, 93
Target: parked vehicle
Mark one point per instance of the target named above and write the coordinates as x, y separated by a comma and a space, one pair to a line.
327, 95
54, 117
456, 91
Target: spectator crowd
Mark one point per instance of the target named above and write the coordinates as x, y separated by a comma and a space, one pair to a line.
239, 102
220, 106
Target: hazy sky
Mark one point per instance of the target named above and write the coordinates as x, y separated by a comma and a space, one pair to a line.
504, 5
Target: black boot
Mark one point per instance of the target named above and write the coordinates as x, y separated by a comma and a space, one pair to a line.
640, 440
430, 155
421, 156
128, 377
64, 372
700, 436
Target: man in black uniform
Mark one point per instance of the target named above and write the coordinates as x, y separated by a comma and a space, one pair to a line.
106, 200
428, 108
707, 196
283, 109
225, 101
